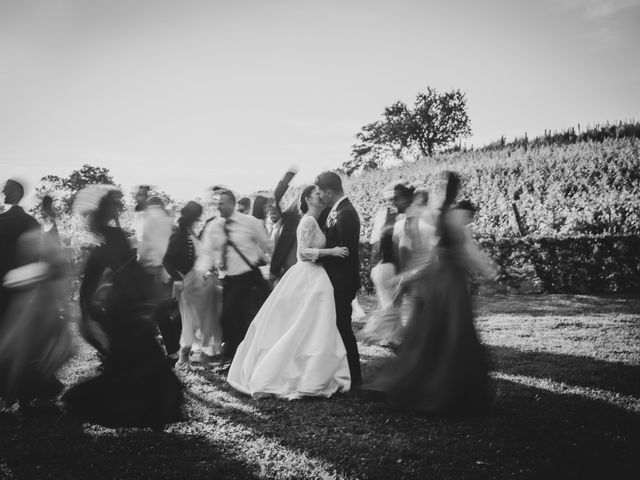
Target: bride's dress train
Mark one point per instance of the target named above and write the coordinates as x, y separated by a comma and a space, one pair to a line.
293, 348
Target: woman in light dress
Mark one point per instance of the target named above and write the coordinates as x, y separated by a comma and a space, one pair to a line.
384, 326
293, 348
200, 303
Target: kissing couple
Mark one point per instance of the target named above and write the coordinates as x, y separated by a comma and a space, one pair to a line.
301, 342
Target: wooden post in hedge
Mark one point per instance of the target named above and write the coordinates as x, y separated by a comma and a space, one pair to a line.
523, 231
535, 258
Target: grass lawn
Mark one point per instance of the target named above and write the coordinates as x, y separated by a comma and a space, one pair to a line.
566, 368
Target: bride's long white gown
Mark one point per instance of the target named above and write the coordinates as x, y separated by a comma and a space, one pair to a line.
293, 348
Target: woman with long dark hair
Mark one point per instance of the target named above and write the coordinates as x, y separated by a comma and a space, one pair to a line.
136, 386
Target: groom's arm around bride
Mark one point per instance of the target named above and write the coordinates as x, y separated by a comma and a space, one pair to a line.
342, 229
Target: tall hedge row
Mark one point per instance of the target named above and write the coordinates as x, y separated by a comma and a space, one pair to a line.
588, 264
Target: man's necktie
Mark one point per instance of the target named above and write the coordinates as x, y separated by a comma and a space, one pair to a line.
276, 233
225, 228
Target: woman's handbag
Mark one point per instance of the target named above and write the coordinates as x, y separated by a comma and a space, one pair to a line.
100, 296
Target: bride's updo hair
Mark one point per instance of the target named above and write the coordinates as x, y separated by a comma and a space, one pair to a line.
304, 208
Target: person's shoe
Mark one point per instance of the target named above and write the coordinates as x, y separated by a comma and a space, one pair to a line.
217, 358
202, 358
183, 359
185, 352
172, 362
223, 367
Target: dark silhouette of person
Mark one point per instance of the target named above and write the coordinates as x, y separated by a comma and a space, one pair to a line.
13, 223
285, 222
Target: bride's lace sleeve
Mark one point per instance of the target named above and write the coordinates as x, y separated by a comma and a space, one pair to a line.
307, 231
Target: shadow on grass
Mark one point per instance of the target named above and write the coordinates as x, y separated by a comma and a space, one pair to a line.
58, 447
557, 305
570, 369
530, 432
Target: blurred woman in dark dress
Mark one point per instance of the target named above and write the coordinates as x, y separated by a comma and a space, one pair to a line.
441, 366
137, 386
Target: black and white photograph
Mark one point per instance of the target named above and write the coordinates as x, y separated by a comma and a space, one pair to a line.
295, 239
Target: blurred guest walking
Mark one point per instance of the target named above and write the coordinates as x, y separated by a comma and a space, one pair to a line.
441, 366
50, 216
136, 387
200, 304
402, 198
157, 227
13, 223
259, 209
385, 325
384, 217
35, 340
244, 206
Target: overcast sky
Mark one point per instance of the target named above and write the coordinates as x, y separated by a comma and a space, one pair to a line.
185, 94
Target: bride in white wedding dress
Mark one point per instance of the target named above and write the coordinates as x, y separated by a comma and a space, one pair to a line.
293, 348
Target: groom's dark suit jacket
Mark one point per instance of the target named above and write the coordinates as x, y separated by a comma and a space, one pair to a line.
344, 273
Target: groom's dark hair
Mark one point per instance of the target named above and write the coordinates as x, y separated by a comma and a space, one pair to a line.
329, 181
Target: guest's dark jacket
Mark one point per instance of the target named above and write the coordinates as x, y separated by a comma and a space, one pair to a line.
180, 256
287, 242
113, 261
344, 273
13, 223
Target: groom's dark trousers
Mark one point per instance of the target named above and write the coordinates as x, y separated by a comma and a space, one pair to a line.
343, 319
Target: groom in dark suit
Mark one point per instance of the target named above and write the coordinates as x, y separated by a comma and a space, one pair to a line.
342, 229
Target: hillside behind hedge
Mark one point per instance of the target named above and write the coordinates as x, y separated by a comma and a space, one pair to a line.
568, 189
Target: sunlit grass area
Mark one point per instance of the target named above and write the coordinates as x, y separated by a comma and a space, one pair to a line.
567, 375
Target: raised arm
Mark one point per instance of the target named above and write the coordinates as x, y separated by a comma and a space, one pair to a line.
477, 260
282, 187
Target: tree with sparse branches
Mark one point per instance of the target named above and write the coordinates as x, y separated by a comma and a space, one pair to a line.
64, 189
436, 121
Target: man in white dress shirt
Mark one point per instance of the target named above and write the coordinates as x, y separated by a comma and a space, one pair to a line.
244, 288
